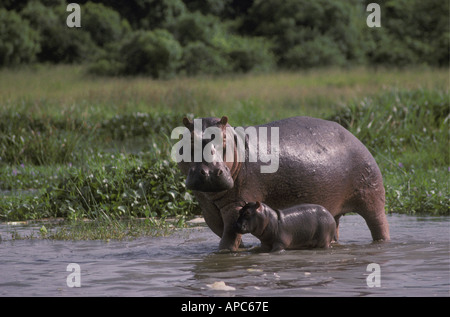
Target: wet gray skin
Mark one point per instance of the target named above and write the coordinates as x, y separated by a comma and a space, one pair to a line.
299, 227
320, 162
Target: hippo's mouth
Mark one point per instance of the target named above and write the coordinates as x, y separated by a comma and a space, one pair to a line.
209, 185
208, 179
240, 228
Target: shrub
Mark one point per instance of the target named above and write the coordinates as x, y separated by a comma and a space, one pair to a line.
103, 23
387, 50
193, 27
318, 52
199, 58
251, 54
216, 7
244, 54
158, 13
58, 42
155, 53
413, 32
299, 28
19, 43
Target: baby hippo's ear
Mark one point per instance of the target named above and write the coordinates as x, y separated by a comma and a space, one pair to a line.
188, 123
259, 206
224, 120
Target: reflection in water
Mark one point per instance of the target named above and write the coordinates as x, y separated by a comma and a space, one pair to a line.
414, 263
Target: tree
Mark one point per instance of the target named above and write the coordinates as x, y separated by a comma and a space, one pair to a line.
298, 28
58, 42
19, 43
412, 32
103, 23
199, 58
155, 53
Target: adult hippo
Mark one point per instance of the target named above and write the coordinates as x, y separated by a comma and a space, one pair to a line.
319, 162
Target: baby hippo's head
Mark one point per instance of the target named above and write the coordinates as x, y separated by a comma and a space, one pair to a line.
251, 219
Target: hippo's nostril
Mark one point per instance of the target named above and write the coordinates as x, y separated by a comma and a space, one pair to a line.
203, 172
219, 172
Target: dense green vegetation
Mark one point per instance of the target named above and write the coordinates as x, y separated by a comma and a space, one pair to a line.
163, 38
76, 154
407, 131
86, 113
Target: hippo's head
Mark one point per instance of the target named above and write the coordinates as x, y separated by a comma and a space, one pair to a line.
252, 219
211, 173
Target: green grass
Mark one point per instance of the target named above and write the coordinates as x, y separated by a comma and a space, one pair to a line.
408, 133
91, 230
76, 146
66, 91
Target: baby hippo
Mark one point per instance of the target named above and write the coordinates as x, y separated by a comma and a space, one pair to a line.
299, 227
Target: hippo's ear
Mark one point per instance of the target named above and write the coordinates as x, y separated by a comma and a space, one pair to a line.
258, 206
188, 123
224, 120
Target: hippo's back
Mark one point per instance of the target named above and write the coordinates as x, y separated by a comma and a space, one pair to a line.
320, 162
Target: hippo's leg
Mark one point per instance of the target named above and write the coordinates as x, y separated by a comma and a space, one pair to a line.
336, 233
377, 222
277, 247
211, 214
371, 207
369, 200
230, 238
214, 223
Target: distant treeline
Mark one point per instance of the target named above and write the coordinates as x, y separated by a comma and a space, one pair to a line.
162, 38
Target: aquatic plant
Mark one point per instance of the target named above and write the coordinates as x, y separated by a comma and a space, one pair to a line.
107, 157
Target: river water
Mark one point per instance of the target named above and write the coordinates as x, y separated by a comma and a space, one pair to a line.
415, 263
